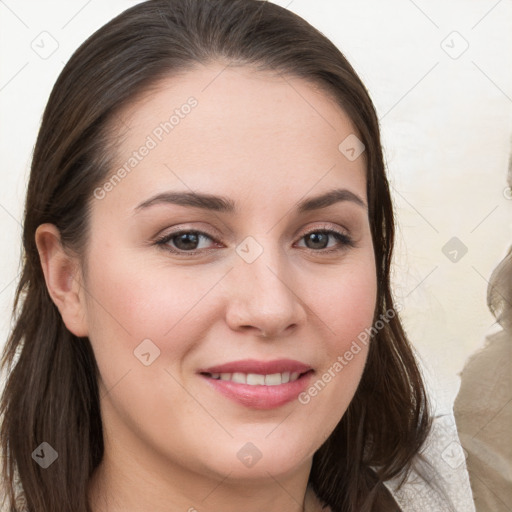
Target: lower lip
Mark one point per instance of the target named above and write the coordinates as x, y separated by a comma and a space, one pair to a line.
261, 397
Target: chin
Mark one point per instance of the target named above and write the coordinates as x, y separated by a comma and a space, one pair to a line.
257, 458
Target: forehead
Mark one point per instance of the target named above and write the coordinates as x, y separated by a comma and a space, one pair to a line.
238, 131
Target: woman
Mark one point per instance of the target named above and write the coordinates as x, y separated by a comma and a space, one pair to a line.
207, 321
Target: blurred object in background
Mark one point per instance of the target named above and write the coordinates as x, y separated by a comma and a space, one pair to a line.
483, 407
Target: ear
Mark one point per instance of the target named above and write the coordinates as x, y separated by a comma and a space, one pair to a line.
61, 273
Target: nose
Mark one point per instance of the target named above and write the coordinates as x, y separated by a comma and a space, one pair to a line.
263, 295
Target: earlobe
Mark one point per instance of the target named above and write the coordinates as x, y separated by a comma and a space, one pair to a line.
62, 279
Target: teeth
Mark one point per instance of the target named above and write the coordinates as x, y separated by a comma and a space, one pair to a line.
274, 379
238, 377
255, 379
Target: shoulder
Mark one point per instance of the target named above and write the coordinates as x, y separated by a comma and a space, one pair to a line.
439, 478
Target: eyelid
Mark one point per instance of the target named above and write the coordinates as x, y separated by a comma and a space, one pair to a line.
326, 227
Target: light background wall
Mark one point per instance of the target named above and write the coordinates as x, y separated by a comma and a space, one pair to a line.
439, 74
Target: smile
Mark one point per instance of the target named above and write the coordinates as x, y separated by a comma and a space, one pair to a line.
258, 391
255, 379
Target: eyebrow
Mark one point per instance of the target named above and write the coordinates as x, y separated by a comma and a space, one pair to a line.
224, 204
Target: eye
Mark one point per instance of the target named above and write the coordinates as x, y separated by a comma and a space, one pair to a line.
317, 240
185, 241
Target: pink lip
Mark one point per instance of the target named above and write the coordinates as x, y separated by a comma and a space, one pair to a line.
260, 367
260, 397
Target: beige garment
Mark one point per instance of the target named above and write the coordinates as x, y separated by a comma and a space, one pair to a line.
439, 481
483, 412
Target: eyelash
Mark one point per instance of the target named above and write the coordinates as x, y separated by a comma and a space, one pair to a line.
343, 239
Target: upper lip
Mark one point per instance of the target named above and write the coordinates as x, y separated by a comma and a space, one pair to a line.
259, 367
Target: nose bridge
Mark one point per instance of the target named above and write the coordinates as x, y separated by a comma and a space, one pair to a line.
262, 291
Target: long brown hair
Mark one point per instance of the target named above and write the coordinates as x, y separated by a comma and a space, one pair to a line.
51, 392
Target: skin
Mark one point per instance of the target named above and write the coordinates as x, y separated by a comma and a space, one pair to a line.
266, 142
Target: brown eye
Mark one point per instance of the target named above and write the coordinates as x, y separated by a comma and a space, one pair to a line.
186, 241
318, 240
183, 241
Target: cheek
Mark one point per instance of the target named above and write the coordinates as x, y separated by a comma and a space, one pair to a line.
347, 312
348, 307
130, 303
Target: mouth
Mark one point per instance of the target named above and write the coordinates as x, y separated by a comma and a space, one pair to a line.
259, 390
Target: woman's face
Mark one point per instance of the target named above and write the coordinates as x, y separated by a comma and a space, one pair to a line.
160, 309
